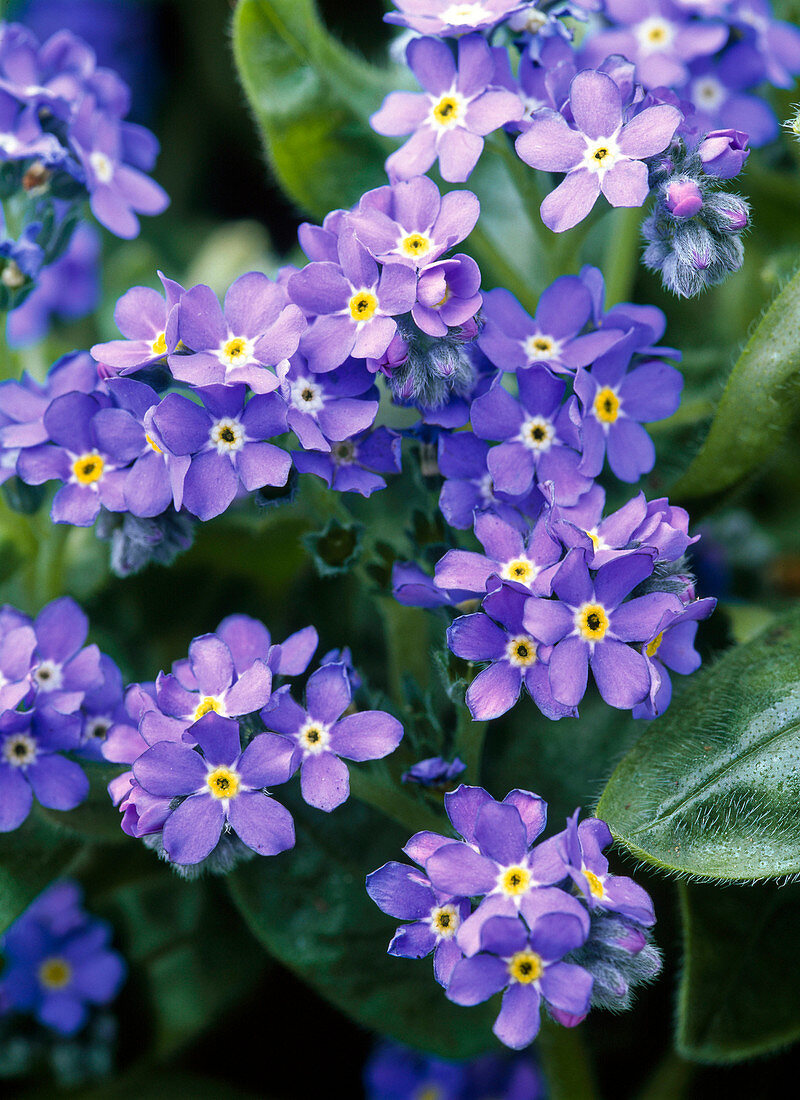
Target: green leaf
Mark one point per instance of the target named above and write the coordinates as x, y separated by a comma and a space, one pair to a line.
738, 992
310, 911
311, 98
713, 788
30, 858
758, 405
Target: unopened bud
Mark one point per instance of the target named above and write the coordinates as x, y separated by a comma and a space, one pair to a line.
683, 198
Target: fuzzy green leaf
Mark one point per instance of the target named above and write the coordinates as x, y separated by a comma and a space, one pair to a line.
738, 992
758, 405
311, 912
311, 98
713, 788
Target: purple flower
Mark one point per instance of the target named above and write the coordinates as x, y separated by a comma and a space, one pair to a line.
355, 465
411, 223
718, 88
64, 668
331, 407
658, 37
582, 847
103, 707
649, 323
777, 42
451, 20
223, 787
322, 736
591, 623
249, 341
353, 303
513, 340
541, 439
412, 586
601, 153
498, 634
249, 642
524, 561
435, 917
149, 323
447, 295
87, 454
23, 404
434, 772
460, 105
468, 485
17, 645
227, 442
615, 401
118, 191
671, 646
656, 525
31, 764
527, 965
209, 681
58, 961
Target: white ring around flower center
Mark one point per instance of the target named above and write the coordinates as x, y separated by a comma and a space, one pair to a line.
19, 749
48, 676
102, 166
227, 435
307, 396
601, 154
465, 15
538, 434
235, 352
708, 93
654, 34
313, 737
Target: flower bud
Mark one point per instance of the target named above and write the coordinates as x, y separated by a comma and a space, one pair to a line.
683, 198
723, 152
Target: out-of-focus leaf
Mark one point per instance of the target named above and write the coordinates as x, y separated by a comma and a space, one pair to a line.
310, 911
96, 818
713, 788
30, 858
738, 992
758, 405
311, 98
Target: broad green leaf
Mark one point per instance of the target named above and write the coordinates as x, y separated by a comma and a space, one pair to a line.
30, 858
311, 98
713, 787
758, 405
738, 992
310, 910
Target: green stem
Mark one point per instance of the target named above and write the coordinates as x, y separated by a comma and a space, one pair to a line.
50, 563
622, 255
565, 1062
670, 1080
407, 644
468, 746
391, 800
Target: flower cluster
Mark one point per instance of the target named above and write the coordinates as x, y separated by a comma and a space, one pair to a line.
63, 138
58, 696
563, 586
712, 56
58, 962
206, 741
545, 923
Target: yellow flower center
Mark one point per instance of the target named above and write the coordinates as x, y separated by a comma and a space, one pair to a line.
235, 351
152, 443
445, 921
539, 347
521, 651
223, 783
525, 967
55, 973
606, 405
363, 305
520, 570
446, 111
206, 706
652, 647
415, 246
88, 468
313, 737
159, 345
515, 881
591, 621
595, 885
